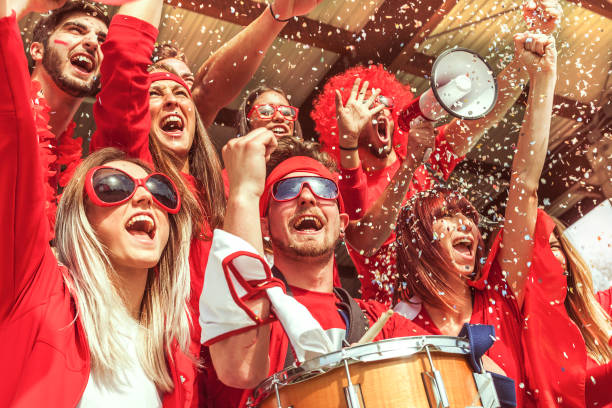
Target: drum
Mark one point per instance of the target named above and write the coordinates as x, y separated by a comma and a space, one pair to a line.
425, 371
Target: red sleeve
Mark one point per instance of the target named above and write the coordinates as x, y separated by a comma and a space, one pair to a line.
605, 300
353, 186
598, 386
443, 159
555, 353
121, 110
24, 226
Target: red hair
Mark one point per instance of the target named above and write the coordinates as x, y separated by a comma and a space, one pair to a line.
324, 107
421, 264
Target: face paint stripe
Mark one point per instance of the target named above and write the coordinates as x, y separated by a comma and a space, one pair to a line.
60, 42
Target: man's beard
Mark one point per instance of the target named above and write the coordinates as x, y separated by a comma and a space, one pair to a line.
72, 86
305, 249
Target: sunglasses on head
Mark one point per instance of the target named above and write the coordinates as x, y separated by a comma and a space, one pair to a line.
268, 110
108, 186
289, 188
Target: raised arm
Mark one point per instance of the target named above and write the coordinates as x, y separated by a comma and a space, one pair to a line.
539, 57
24, 227
221, 78
463, 135
370, 232
121, 110
241, 361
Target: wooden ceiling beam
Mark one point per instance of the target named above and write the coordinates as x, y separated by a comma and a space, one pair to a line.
601, 7
303, 29
408, 53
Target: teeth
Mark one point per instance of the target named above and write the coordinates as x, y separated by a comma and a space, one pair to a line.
279, 130
172, 120
84, 60
308, 218
147, 221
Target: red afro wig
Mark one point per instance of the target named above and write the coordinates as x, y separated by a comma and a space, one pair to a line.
324, 107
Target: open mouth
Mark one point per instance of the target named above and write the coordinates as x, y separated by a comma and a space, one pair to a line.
83, 62
308, 223
465, 246
141, 225
280, 130
381, 129
173, 125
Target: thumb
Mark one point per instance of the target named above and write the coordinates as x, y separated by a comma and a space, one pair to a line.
519, 43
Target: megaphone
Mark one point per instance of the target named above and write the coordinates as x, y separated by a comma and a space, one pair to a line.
461, 84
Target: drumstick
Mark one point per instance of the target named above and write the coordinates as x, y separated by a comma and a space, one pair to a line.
376, 328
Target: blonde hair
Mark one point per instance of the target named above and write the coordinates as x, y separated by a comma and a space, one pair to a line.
164, 316
581, 304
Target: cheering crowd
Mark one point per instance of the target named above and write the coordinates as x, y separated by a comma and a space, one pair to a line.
142, 273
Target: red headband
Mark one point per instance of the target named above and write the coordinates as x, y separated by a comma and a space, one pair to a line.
292, 165
168, 76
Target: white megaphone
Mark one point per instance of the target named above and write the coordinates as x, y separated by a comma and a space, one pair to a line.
462, 85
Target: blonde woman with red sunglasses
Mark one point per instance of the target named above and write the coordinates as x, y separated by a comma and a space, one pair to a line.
105, 322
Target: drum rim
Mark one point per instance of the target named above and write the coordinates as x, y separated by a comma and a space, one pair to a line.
398, 347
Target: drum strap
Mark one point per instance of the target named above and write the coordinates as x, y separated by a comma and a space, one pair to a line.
357, 323
481, 337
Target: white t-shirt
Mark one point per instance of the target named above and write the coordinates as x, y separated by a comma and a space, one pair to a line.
131, 389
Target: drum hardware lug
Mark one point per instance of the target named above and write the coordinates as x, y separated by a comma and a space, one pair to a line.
486, 390
352, 393
434, 385
278, 400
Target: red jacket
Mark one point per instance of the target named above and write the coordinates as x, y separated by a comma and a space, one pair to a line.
124, 98
43, 349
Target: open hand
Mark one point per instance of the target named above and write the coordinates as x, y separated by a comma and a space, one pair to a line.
542, 16
245, 161
536, 53
356, 113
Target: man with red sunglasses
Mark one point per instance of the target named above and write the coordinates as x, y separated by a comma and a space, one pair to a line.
302, 213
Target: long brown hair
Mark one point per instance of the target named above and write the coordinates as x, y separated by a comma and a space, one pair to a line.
421, 264
206, 202
581, 304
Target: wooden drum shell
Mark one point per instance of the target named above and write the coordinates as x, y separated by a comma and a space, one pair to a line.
395, 382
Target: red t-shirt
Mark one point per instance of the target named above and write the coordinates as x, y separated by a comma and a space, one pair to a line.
538, 346
321, 306
359, 189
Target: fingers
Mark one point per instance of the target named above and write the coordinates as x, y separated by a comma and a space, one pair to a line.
271, 144
363, 90
536, 43
339, 104
373, 96
355, 89
377, 109
519, 42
